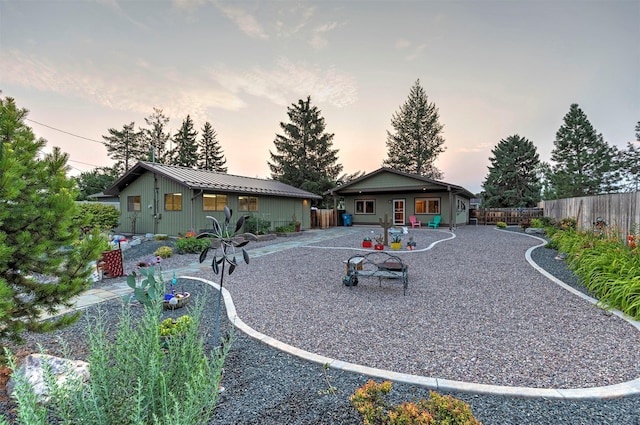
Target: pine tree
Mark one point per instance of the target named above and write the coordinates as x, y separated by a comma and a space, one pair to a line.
418, 140
185, 152
584, 163
211, 157
513, 179
631, 164
304, 157
154, 137
36, 222
124, 146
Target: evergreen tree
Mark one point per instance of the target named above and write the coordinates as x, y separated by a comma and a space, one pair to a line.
185, 152
154, 137
513, 179
124, 146
36, 222
96, 180
304, 156
631, 164
212, 157
418, 140
584, 163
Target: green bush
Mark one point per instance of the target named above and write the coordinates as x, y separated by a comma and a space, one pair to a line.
438, 409
177, 386
501, 225
191, 245
257, 226
163, 252
568, 223
285, 229
608, 268
536, 222
161, 237
94, 214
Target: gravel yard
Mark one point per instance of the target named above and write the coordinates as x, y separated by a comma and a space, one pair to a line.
475, 311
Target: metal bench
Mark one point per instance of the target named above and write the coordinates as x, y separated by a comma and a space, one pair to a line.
377, 264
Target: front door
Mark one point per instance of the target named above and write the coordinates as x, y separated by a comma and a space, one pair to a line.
398, 212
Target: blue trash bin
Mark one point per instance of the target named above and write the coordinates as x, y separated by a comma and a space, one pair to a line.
346, 219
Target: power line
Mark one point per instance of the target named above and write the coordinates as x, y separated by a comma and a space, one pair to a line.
65, 132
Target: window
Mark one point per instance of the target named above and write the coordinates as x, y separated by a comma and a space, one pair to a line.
247, 203
134, 203
365, 206
212, 202
428, 206
173, 201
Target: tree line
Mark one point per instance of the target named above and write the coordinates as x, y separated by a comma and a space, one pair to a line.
583, 164
303, 155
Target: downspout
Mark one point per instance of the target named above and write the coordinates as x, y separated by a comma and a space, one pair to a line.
156, 189
192, 199
451, 217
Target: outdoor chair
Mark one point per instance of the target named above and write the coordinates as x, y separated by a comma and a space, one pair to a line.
435, 222
414, 221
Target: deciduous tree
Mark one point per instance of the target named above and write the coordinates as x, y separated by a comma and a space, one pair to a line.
211, 156
417, 140
41, 264
96, 180
513, 179
304, 155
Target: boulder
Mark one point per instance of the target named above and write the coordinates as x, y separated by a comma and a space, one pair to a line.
32, 367
534, 230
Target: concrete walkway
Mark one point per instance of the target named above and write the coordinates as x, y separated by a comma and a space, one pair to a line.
121, 289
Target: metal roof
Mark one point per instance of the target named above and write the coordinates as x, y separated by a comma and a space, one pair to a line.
210, 181
419, 184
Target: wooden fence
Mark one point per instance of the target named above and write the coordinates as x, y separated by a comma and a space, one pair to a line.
621, 211
322, 219
511, 216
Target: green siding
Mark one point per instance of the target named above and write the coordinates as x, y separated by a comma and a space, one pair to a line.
387, 180
278, 210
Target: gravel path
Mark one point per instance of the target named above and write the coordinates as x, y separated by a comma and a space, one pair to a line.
474, 311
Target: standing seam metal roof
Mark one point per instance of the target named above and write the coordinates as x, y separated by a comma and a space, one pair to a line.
209, 180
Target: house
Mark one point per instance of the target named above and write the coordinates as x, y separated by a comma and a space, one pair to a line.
157, 198
401, 195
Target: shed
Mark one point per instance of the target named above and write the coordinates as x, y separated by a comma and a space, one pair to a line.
157, 198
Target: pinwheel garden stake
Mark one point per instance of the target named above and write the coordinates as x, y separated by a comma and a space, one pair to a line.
229, 241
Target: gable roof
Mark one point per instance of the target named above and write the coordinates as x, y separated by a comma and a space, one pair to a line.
407, 182
210, 181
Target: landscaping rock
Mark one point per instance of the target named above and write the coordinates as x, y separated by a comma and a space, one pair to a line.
32, 368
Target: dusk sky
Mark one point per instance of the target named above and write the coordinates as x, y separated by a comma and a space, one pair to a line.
493, 69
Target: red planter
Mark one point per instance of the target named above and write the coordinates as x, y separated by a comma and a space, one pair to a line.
378, 247
366, 244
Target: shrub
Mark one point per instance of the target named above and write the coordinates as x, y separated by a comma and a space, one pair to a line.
191, 245
568, 223
177, 386
257, 226
536, 222
163, 252
501, 225
161, 237
94, 214
438, 409
285, 229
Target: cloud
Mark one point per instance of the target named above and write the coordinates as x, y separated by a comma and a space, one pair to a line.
245, 21
115, 6
481, 147
288, 82
138, 88
318, 40
402, 44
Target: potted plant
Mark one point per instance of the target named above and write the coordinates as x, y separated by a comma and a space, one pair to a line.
379, 246
411, 244
366, 242
295, 223
396, 242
